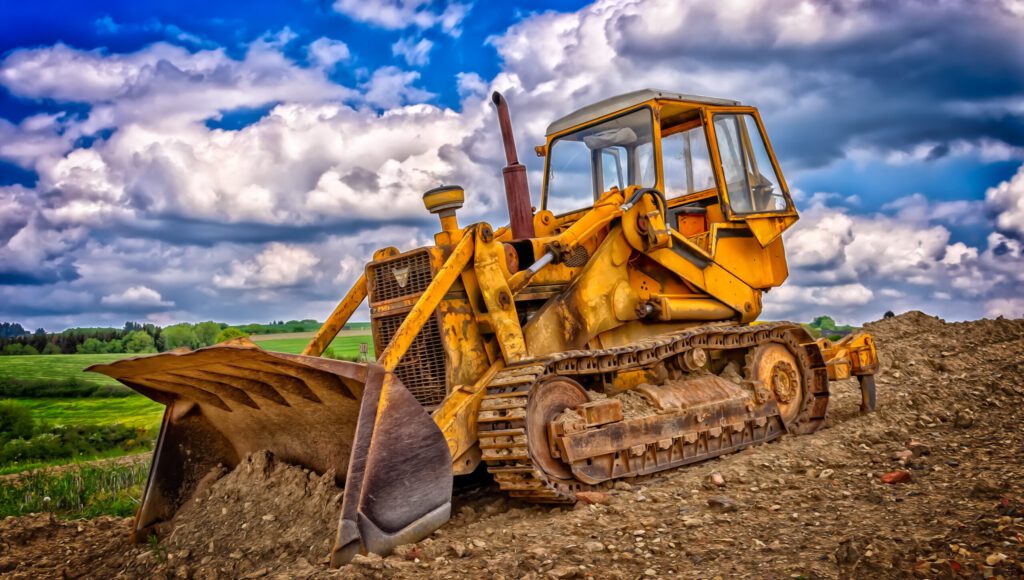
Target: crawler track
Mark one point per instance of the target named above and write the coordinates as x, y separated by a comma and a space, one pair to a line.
503, 434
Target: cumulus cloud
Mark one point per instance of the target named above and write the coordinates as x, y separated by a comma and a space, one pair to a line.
137, 297
138, 179
401, 14
1006, 201
278, 266
327, 52
856, 267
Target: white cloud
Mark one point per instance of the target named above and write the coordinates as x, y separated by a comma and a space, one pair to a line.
401, 14
1005, 307
278, 266
1006, 200
390, 87
327, 160
327, 52
136, 297
415, 53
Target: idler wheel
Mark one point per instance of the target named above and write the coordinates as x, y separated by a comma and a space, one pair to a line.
547, 401
774, 369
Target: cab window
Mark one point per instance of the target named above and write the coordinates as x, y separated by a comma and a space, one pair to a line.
750, 179
582, 165
687, 165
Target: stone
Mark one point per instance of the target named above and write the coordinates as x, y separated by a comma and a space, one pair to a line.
894, 477
623, 486
723, 503
593, 497
594, 546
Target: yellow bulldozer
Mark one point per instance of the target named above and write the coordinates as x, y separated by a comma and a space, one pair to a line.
608, 334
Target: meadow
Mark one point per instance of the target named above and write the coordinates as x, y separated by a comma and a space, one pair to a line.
345, 346
69, 406
57, 367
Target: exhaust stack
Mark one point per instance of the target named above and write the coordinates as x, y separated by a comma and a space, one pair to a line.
517, 189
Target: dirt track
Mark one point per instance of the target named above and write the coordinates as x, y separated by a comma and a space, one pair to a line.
811, 506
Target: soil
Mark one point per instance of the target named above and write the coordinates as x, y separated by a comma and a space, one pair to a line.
948, 432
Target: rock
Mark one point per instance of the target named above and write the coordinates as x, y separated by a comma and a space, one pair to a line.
457, 548
723, 503
692, 522
826, 473
623, 486
903, 455
650, 572
593, 497
594, 546
559, 572
716, 479
894, 477
963, 419
269, 518
371, 560
918, 448
479, 543
996, 558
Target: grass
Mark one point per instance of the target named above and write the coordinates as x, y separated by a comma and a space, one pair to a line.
346, 345
134, 411
57, 367
84, 492
13, 468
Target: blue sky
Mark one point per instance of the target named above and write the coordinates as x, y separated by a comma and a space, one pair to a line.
240, 161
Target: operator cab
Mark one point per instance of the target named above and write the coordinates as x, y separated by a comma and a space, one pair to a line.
709, 156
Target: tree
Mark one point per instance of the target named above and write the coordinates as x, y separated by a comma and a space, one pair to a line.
15, 421
229, 333
206, 332
51, 348
91, 346
178, 336
824, 323
139, 341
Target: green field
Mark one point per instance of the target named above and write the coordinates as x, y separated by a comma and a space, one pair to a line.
135, 411
346, 346
57, 367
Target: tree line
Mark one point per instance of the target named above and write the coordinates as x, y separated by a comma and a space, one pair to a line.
133, 337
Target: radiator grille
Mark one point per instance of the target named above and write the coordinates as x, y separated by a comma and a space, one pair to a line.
422, 368
407, 275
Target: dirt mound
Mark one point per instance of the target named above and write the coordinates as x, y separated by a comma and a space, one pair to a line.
261, 515
951, 403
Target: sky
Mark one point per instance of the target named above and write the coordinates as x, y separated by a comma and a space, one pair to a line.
241, 161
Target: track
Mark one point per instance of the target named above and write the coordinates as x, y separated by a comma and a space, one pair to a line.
502, 421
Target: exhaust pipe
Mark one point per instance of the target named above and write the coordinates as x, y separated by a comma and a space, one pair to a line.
517, 189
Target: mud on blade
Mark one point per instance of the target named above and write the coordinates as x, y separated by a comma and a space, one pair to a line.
226, 401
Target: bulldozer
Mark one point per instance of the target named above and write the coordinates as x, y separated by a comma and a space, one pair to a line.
612, 333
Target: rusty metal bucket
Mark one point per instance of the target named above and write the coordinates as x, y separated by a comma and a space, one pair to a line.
226, 401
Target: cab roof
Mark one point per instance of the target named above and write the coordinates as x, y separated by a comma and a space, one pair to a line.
627, 100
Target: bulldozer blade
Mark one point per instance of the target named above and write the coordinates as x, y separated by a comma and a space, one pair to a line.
400, 477
226, 401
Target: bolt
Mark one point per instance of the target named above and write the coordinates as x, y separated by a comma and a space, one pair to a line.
504, 299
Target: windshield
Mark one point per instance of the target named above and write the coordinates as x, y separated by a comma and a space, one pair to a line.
750, 178
582, 165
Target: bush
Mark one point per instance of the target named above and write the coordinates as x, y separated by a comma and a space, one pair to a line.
17, 349
71, 387
139, 342
112, 391
61, 442
91, 346
15, 421
229, 333
51, 348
